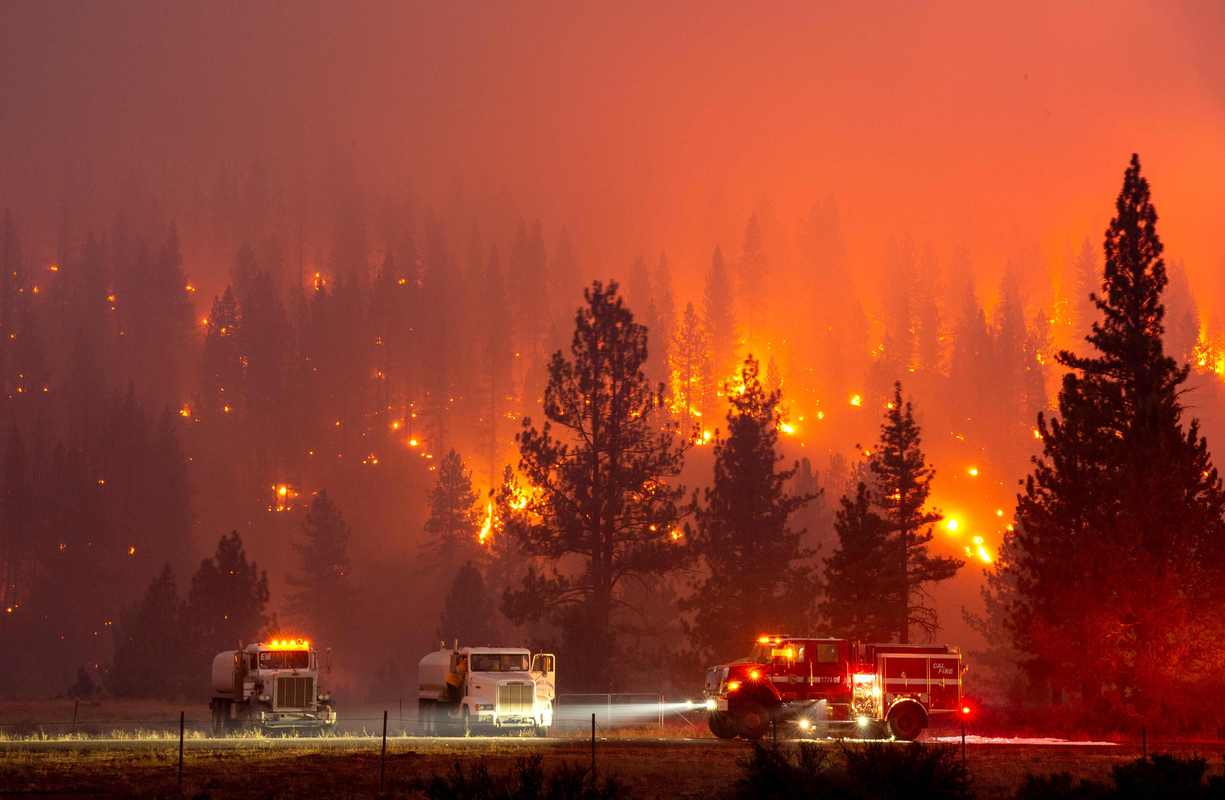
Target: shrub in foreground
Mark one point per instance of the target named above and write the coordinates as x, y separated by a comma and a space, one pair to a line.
527, 780
864, 772
1156, 778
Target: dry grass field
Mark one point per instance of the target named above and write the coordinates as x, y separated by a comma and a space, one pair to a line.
678, 762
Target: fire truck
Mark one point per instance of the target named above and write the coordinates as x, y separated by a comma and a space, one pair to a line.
803, 685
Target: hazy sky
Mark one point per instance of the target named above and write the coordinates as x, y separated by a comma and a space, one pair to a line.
648, 125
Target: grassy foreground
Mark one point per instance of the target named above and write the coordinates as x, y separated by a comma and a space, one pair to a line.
348, 768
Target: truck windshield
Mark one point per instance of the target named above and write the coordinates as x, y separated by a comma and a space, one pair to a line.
284, 659
499, 662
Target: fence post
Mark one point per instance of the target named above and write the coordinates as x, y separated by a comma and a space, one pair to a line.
593, 747
661, 711
181, 721
383, 755
76, 705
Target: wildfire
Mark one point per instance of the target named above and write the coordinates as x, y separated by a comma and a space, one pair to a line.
856, 400
185, 411
972, 472
487, 526
787, 428
283, 496
951, 525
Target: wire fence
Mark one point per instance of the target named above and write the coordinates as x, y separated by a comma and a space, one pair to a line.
571, 712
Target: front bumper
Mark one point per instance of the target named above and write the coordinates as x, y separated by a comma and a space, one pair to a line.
540, 718
297, 720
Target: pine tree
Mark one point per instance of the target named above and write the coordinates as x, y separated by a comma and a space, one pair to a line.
153, 625
1119, 530
453, 521
758, 578
902, 481
221, 380
227, 602
861, 597
600, 503
691, 371
1086, 280
718, 316
753, 273
469, 613
496, 354
320, 599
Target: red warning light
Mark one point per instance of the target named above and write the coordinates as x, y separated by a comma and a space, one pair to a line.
965, 711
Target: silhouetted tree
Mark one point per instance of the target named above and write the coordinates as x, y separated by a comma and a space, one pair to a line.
758, 578
691, 371
153, 628
1119, 530
900, 488
451, 528
600, 503
227, 602
719, 316
469, 612
321, 591
861, 581
753, 273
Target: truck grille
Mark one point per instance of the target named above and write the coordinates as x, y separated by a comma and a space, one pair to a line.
516, 699
294, 692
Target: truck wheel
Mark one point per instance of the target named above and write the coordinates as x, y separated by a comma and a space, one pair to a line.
541, 731
219, 716
753, 721
721, 725
907, 722
425, 714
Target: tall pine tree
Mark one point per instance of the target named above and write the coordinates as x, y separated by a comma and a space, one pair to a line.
321, 591
758, 575
1119, 542
601, 506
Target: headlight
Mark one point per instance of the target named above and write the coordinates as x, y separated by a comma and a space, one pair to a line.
265, 698
711, 704
863, 722
804, 724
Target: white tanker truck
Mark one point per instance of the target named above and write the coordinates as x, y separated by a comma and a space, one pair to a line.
270, 686
486, 688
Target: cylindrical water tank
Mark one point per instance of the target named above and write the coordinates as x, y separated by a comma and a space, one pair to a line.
432, 672
223, 672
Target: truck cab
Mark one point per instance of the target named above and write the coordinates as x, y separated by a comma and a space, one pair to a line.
806, 684
472, 689
271, 686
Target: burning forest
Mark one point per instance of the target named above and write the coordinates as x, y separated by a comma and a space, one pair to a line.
301, 341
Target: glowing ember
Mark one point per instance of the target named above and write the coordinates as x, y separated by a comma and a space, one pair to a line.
185, 411
283, 496
131, 550
951, 525
972, 472
856, 400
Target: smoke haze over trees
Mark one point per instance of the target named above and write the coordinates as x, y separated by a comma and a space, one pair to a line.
334, 258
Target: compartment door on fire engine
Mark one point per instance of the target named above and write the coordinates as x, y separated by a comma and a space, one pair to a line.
825, 670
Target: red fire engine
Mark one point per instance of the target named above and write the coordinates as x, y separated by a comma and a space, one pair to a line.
804, 684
